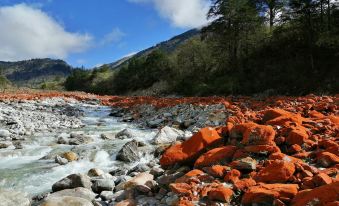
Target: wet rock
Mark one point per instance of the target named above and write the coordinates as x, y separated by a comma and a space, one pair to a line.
13, 198
129, 152
125, 134
154, 123
107, 195
18, 145
167, 135
100, 185
189, 150
61, 160
169, 178
66, 200
79, 139
95, 172
128, 202
76, 192
62, 140
4, 145
70, 156
107, 136
72, 181
4, 133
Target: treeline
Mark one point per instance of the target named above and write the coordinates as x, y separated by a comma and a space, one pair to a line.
252, 46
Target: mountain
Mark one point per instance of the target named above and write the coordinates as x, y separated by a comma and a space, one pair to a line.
34, 72
167, 46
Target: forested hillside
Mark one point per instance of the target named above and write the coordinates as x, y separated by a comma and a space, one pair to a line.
35, 73
252, 46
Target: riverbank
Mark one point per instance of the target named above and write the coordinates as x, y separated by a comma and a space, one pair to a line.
273, 151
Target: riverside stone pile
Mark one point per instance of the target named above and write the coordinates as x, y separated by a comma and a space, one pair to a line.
276, 151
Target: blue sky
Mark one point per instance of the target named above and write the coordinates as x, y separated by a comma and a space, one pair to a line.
92, 32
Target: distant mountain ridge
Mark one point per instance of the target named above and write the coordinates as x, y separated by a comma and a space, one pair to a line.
167, 46
35, 71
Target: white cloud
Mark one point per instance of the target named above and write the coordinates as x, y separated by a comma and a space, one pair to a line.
27, 32
181, 13
113, 37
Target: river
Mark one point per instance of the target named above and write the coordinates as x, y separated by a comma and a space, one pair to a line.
33, 170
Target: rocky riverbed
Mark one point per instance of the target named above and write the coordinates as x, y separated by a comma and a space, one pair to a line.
148, 151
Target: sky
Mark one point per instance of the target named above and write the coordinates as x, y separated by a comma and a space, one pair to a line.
90, 33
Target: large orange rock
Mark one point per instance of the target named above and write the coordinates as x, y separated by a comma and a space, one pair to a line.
217, 170
262, 149
265, 194
189, 175
318, 196
244, 184
181, 189
221, 193
298, 136
281, 117
278, 171
221, 155
327, 159
238, 131
259, 135
189, 150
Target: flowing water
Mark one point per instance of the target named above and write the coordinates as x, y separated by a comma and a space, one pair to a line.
28, 170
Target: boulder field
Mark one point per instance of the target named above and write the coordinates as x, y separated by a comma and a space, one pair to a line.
274, 156
267, 151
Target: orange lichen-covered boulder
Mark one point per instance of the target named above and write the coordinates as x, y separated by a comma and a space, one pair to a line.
262, 149
274, 113
298, 136
232, 176
265, 194
189, 150
318, 196
278, 171
217, 170
238, 131
282, 156
327, 159
244, 184
189, 175
220, 193
221, 155
259, 135
281, 117
181, 189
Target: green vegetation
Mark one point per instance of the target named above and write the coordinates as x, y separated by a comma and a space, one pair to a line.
252, 46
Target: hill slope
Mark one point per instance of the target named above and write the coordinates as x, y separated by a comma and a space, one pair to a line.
34, 72
166, 46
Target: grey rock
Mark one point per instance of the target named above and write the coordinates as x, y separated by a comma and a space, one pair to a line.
62, 140
169, 178
79, 139
72, 181
107, 136
76, 192
167, 135
18, 145
4, 145
157, 171
107, 195
245, 164
139, 168
13, 198
61, 160
154, 123
67, 201
125, 134
100, 185
129, 152
4, 133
